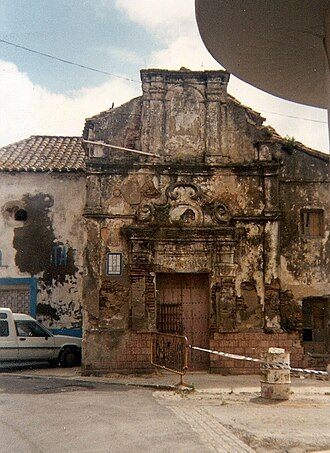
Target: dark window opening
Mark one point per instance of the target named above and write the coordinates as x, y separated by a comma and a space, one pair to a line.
169, 318
316, 322
312, 223
4, 328
21, 215
307, 335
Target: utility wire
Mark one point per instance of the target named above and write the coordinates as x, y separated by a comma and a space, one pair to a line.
295, 117
126, 78
66, 61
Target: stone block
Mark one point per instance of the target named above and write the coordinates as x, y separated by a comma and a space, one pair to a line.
275, 383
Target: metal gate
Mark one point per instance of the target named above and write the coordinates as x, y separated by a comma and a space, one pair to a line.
183, 309
170, 352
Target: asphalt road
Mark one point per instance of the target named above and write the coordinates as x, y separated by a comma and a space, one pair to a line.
49, 415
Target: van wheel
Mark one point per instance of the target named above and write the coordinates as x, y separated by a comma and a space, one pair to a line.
69, 357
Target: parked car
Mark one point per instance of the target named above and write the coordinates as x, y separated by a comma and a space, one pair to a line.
23, 339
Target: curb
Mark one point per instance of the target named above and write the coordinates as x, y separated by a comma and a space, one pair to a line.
102, 381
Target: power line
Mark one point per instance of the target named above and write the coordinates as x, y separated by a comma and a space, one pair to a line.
295, 117
89, 68
67, 61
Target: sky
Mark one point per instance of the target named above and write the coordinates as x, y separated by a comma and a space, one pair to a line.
115, 38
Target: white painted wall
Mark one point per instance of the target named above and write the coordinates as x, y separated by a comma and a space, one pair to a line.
67, 223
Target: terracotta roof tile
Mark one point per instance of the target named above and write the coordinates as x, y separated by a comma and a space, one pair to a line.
41, 153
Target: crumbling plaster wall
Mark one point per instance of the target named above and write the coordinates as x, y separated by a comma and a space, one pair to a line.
305, 262
119, 126
215, 186
185, 115
143, 198
49, 244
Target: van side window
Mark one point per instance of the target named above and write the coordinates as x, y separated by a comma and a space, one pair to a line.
30, 329
4, 328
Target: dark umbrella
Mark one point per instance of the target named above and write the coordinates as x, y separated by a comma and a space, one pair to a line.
279, 46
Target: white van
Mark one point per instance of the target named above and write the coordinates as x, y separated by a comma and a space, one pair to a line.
23, 339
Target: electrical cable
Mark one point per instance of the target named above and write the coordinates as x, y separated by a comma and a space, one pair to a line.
67, 61
294, 117
128, 79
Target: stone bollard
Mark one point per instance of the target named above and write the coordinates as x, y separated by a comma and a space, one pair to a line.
275, 383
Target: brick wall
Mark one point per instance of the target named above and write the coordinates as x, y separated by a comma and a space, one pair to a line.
133, 352
128, 352
136, 355
251, 345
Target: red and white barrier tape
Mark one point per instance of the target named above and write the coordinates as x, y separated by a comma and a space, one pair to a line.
277, 365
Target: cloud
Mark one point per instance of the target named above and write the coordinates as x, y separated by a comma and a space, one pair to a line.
29, 109
187, 51
159, 15
174, 24
122, 54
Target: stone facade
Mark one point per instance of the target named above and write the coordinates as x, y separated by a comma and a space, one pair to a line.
207, 224
220, 201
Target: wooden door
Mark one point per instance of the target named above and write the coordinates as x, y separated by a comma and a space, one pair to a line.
183, 308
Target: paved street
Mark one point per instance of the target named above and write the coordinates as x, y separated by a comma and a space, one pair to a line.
38, 415
52, 410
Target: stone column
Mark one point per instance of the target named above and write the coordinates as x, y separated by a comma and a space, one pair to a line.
216, 92
275, 383
153, 112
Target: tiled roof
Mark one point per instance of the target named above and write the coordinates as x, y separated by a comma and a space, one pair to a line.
44, 154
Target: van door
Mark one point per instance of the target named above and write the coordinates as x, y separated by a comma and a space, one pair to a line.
35, 343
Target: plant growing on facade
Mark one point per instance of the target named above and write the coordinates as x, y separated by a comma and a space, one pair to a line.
289, 143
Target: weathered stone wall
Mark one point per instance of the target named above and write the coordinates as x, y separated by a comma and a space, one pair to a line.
305, 261
211, 201
48, 245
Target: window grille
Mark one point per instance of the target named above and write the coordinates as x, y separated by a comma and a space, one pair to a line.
169, 318
114, 264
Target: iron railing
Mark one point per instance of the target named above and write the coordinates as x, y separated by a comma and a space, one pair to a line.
170, 352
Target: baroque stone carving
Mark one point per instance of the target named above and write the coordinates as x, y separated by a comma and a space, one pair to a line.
221, 213
184, 200
145, 213
185, 206
183, 192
